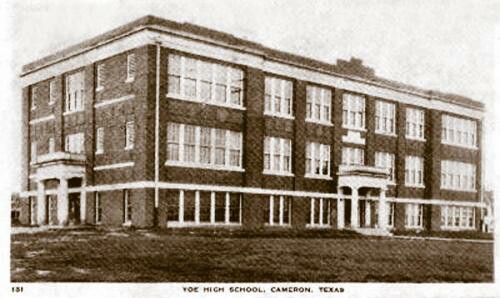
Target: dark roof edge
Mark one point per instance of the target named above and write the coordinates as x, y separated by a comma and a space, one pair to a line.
232, 40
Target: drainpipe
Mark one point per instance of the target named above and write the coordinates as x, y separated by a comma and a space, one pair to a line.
157, 132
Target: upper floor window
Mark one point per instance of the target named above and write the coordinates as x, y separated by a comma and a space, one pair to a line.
100, 76
74, 143
386, 160
415, 120
353, 111
458, 131
414, 216
202, 81
130, 67
99, 144
204, 147
129, 135
319, 104
33, 97
277, 155
278, 99
414, 171
75, 92
458, 175
317, 160
353, 156
52, 92
385, 118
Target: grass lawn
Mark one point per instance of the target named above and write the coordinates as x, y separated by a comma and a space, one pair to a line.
198, 256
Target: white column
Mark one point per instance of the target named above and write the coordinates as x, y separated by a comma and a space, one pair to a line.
271, 210
354, 208
62, 202
83, 202
321, 211
212, 207
181, 206
197, 207
368, 215
340, 209
40, 202
382, 210
312, 210
226, 210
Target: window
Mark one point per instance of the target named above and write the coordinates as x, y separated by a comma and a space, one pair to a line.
74, 92
414, 171
130, 67
414, 215
320, 210
33, 97
278, 97
277, 155
197, 80
52, 92
100, 76
99, 144
390, 214
129, 135
353, 111
457, 217
189, 145
279, 211
33, 152
319, 103
98, 208
415, 119
353, 156
127, 207
386, 160
458, 131
317, 160
52, 145
385, 118
458, 175
74, 143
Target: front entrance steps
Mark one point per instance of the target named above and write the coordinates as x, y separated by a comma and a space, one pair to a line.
373, 231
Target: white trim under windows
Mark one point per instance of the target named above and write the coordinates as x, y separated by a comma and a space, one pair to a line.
457, 218
129, 135
277, 156
414, 216
385, 118
74, 143
353, 111
97, 208
204, 147
459, 176
127, 208
415, 124
131, 67
279, 211
99, 143
317, 160
319, 105
201, 81
278, 98
353, 156
386, 160
458, 131
320, 213
52, 92
74, 100
414, 171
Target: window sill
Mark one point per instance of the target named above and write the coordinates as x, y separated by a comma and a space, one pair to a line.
414, 228
98, 89
460, 145
386, 134
99, 152
317, 226
129, 80
459, 190
72, 112
277, 225
325, 123
203, 166
282, 116
51, 103
319, 177
415, 139
278, 174
212, 103
360, 129
446, 228
185, 224
128, 148
127, 223
414, 186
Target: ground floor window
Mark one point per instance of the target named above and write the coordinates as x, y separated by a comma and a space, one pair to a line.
414, 215
127, 207
390, 214
320, 210
279, 210
98, 208
457, 217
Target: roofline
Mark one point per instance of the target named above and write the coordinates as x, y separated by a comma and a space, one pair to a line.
155, 24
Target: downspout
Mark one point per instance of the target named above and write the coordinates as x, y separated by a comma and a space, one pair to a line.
157, 133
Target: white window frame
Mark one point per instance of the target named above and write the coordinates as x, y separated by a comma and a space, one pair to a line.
415, 124
131, 67
465, 215
354, 109
386, 160
99, 140
314, 150
33, 98
126, 203
281, 212
391, 207
325, 105
100, 76
281, 143
270, 109
385, 118
52, 145
414, 168
319, 222
33, 151
97, 208
353, 156
458, 176
52, 90
129, 135
75, 85
75, 143
458, 132
414, 216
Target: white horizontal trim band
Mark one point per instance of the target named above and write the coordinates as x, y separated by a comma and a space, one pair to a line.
114, 166
43, 119
113, 101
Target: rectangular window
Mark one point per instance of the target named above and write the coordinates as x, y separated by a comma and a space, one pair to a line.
127, 207
235, 149
458, 131
414, 215
278, 97
173, 141
353, 111
74, 92
74, 143
458, 176
279, 211
415, 123
277, 155
205, 145
197, 80
100, 76
33, 152
130, 67
99, 143
353, 156
319, 103
317, 160
385, 118
129, 135
33, 97
52, 92
320, 210
457, 217
52, 145
98, 208
190, 143
220, 147
386, 160
414, 171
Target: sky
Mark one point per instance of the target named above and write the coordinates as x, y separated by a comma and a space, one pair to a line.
442, 45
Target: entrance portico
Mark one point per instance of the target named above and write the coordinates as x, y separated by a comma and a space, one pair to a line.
64, 167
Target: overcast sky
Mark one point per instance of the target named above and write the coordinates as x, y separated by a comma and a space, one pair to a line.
443, 45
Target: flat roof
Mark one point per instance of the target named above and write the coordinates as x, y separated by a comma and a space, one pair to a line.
352, 68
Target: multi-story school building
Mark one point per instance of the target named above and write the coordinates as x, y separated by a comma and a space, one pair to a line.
158, 123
